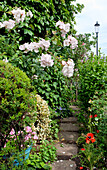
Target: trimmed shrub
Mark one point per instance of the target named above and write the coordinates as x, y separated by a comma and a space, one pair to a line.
16, 100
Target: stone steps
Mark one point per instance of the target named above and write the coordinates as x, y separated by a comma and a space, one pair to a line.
64, 165
69, 120
69, 127
68, 137
66, 146
66, 151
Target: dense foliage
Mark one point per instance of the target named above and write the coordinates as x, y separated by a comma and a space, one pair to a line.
45, 14
92, 77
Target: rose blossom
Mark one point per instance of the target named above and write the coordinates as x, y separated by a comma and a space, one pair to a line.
46, 60
9, 24
1, 25
67, 27
19, 14
68, 68
66, 42
64, 28
29, 14
24, 47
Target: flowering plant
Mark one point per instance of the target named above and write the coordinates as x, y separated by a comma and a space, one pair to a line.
89, 154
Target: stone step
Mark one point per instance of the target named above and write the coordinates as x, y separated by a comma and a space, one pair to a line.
69, 127
64, 165
69, 120
68, 137
76, 108
66, 151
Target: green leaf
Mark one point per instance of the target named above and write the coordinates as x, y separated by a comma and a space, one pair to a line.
26, 31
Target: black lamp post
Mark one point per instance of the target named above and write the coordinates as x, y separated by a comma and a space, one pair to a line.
97, 31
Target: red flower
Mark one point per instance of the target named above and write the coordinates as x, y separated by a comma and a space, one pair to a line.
81, 167
90, 137
95, 115
82, 149
97, 131
90, 116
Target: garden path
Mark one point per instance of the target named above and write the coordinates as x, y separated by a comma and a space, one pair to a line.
66, 146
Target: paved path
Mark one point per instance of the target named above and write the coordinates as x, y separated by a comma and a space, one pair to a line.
67, 147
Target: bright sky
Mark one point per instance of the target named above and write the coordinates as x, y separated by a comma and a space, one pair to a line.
94, 10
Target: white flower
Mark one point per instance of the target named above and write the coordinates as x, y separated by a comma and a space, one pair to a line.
46, 44
34, 77
63, 33
66, 42
73, 42
35, 47
63, 27
59, 23
19, 14
70, 62
67, 27
68, 68
9, 24
1, 25
64, 62
46, 60
5, 60
24, 47
31, 46
29, 14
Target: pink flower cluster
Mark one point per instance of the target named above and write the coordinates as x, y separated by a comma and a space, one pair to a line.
71, 41
64, 28
44, 44
30, 134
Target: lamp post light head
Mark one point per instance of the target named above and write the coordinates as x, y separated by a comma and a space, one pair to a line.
97, 30
97, 27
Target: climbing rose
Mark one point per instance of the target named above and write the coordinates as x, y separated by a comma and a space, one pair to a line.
46, 60
19, 14
73, 42
66, 42
64, 62
68, 68
90, 116
1, 25
81, 167
9, 24
29, 14
64, 28
95, 115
